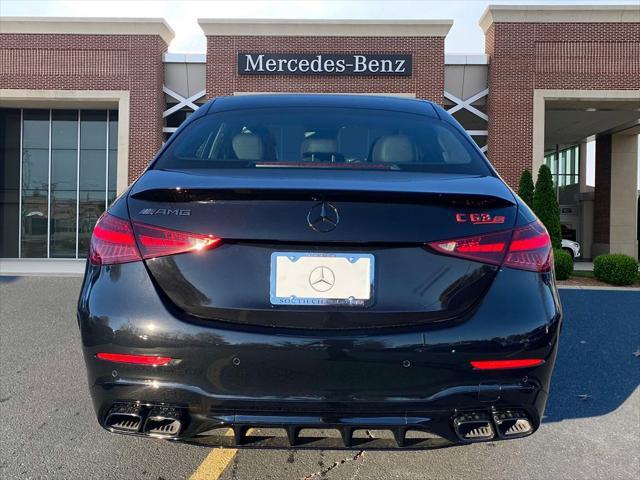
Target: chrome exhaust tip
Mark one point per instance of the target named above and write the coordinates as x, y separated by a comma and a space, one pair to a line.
124, 418
163, 422
474, 427
512, 423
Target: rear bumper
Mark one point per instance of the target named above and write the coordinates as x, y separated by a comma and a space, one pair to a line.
201, 414
243, 377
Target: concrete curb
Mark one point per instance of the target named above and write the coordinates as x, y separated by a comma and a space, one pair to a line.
42, 268
591, 287
41, 274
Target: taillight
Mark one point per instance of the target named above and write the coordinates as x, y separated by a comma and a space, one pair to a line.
116, 240
530, 249
487, 248
112, 242
524, 248
157, 242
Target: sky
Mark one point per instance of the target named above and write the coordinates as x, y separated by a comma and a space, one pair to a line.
465, 35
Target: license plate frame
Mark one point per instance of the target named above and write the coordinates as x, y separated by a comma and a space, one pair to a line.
363, 296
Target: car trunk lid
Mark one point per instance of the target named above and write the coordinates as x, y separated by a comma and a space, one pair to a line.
386, 216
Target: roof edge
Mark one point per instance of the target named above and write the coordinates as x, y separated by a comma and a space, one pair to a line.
175, 57
558, 14
88, 26
466, 59
325, 28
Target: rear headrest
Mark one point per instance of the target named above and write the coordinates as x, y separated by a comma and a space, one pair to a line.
319, 145
393, 148
248, 146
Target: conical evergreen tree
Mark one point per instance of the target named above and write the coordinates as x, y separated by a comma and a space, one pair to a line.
545, 205
525, 188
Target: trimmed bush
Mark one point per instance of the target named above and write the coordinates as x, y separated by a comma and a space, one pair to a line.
616, 269
526, 188
545, 205
562, 264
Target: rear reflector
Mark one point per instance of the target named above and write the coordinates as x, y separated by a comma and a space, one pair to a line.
524, 248
506, 364
116, 240
134, 359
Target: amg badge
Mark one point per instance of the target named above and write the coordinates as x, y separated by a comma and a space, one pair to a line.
165, 211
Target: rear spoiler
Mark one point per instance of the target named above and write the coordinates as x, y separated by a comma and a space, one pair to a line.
294, 184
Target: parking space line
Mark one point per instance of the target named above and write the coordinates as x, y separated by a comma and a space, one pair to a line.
214, 464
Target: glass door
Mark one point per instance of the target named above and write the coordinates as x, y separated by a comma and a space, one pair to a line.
66, 168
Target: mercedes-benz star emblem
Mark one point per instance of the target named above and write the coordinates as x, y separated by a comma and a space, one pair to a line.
322, 279
323, 217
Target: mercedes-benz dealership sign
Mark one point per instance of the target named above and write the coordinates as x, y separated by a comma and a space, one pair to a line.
323, 64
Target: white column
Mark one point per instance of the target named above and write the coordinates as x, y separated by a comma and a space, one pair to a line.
624, 195
582, 168
585, 236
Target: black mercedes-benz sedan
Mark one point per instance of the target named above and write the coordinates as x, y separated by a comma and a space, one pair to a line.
332, 262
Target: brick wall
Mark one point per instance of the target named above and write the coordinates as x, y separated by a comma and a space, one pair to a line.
602, 193
95, 62
427, 80
528, 56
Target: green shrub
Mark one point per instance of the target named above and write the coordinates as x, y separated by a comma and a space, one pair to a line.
545, 205
616, 269
563, 264
526, 188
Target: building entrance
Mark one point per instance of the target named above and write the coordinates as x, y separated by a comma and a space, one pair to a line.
59, 175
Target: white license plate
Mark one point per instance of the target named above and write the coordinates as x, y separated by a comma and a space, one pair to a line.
321, 278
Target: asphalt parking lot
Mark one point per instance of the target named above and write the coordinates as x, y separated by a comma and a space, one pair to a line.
48, 429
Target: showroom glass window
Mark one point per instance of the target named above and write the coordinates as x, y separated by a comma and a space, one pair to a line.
565, 167
58, 176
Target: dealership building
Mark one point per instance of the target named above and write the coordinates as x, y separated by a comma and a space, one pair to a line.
85, 103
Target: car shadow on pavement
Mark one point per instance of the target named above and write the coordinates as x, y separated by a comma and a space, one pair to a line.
598, 366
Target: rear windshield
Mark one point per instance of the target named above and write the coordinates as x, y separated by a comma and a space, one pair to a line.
322, 138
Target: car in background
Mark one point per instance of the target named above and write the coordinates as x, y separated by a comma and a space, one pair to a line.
320, 261
571, 247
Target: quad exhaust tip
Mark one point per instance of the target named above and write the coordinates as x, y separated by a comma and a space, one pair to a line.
124, 418
474, 427
512, 424
163, 422
481, 426
154, 421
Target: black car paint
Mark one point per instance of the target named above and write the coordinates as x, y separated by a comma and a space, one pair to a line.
234, 369
257, 370
220, 196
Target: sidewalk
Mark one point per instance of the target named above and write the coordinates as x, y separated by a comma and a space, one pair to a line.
583, 266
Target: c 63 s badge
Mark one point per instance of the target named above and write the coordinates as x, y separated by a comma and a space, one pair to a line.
165, 211
479, 218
